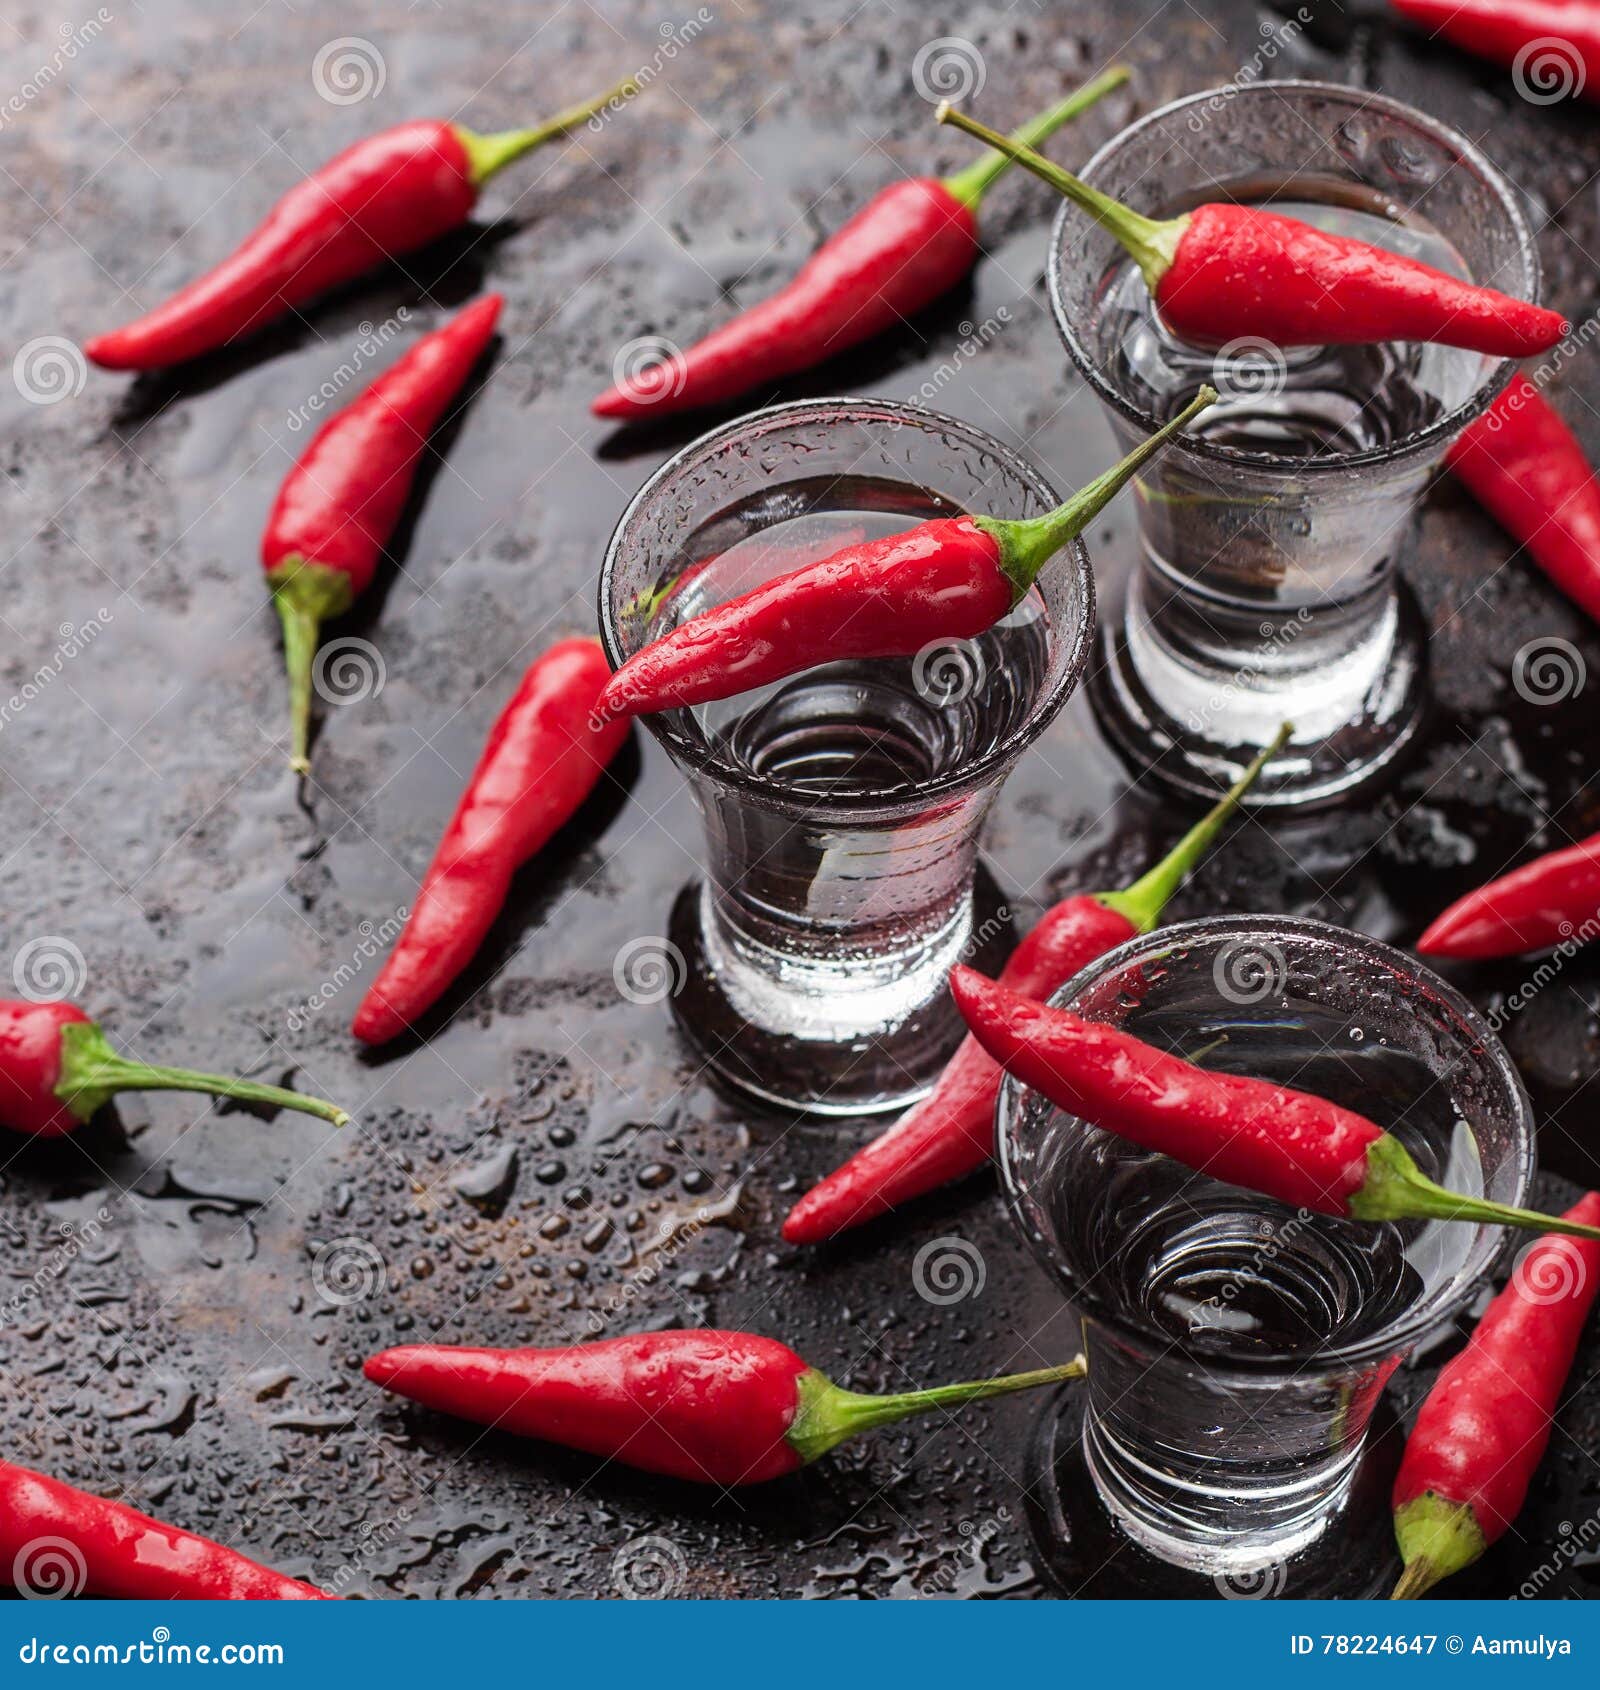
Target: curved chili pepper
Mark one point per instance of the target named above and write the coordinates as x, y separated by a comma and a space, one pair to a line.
950, 1133
1484, 1426
1306, 1151
947, 579
1562, 38
1222, 271
720, 1408
57, 1068
1522, 463
544, 755
388, 194
57, 1540
1546, 902
339, 505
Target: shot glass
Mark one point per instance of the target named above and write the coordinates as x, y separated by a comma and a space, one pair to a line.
842, 807
1266, 588
1229, 1440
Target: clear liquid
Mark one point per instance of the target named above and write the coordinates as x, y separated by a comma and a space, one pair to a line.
1297, 402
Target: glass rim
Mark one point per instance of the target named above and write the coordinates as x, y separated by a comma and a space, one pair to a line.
876, 801
1401, 1333
1441, 429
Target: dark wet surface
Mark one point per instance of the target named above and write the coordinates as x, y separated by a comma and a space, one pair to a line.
506, 1175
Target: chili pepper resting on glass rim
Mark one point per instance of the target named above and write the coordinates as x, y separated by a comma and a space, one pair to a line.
1554, 900
57, 1540
1303, 1150
1483, 1428
388, 194
1222, 271
720, 1408
339, 505
1554, 45
57, 1068
543, 757
950, 1133
947, 579
906, 246
1522, 463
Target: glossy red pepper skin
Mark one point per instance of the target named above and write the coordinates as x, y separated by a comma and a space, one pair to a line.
387, 194
1550, 901
1569, 30
544, 755
30, 1067
1484, 1427
950, 1133
906, 246
1522, 463
882, 598
65, 1541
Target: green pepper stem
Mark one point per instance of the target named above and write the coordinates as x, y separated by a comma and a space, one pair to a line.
1396, 1189
1436, 1538
487, 154
827, 1414
970, 185
1141, 903
306, 594
1152, 243
92, 1073
1027, 545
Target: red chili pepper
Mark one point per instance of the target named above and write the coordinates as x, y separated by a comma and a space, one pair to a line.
906, 246
1221, 271
1550, 901
721, 1408
942, 580
1555, 44
544, 755
1305, 1151
950, 1133
57, 1068
388, 194
1522, 463
1483, 1429
339, 505
57, 1540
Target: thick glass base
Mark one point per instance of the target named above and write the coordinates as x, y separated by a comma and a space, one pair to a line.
1086, 1551
831, 1036
1184, 698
